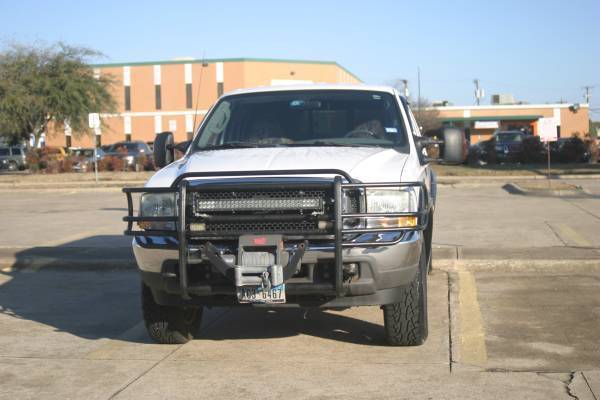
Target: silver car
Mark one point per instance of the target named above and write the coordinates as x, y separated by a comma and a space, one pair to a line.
12, 158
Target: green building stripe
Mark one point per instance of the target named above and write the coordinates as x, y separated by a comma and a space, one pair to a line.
494, 118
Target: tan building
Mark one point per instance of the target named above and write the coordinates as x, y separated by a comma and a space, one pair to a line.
158, 96
481, 122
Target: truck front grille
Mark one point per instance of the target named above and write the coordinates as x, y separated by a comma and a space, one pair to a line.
249, 211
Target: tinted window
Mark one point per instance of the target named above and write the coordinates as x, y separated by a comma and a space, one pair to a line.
305, 118
16, 151
4, 151
509, 137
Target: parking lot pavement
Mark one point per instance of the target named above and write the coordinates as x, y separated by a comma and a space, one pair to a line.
466, 217
32, 218
490, 217
79, 335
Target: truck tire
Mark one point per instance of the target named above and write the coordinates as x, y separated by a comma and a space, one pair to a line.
169, 324
405, 323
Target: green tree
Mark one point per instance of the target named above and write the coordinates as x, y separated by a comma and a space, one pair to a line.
42, 86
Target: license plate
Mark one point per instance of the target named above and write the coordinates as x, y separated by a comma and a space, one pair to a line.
256, 294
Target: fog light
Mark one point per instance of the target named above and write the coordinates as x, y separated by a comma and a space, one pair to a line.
391, 222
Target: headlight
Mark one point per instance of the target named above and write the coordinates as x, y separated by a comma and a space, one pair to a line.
392, 200
157, 205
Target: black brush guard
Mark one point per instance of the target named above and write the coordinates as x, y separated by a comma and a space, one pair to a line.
180, 186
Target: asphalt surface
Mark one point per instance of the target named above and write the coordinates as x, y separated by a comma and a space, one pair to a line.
80, 335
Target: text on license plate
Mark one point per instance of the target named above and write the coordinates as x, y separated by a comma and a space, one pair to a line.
256, 294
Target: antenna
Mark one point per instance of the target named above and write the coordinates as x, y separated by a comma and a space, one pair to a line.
202, 65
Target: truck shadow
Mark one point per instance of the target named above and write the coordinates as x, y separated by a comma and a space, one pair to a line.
50, 286
260, 323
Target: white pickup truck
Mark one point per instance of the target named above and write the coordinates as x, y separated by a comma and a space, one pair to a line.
302, 196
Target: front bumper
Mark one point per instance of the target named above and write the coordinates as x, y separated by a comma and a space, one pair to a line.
174, 263
382, 271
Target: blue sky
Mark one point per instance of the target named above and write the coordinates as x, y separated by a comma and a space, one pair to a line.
541, 51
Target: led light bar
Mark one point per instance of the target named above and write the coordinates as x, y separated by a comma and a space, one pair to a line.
259, 204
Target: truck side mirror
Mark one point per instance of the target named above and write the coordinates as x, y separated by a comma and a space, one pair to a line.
163, 149
182, 147
454, 148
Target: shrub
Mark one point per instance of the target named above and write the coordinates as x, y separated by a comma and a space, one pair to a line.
111, 163
533, 150
573, 150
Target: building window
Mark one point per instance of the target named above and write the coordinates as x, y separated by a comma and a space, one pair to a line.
127, 98
128, 137
188, 95
157, 96
220, 89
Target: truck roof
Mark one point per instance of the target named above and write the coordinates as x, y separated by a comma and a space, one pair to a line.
315, 86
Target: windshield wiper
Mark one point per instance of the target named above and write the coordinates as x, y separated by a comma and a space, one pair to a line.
334, 144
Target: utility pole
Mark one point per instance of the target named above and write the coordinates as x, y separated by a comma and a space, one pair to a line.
419, 92
587, 94
479, 93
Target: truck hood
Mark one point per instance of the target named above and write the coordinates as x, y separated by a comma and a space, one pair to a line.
367, 164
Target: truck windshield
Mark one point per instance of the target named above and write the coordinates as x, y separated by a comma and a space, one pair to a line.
304, 118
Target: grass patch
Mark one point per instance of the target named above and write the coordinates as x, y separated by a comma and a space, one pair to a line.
26, 177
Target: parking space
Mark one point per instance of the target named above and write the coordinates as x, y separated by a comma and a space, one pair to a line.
80, 335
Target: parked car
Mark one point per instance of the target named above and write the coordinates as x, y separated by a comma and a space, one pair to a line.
84, 158
310, 196
135, 154
12, 158
569, 150
506, 146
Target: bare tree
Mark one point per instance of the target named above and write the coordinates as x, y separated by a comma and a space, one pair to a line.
427, 116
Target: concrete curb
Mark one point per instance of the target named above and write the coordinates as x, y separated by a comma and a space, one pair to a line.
67, 258
73, 264
515, 188
449, 258
518, 265
70, 185
442, 180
